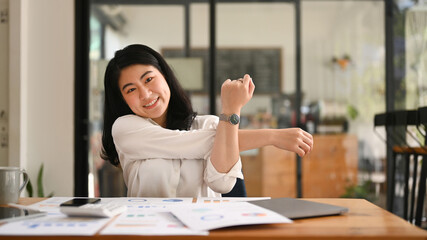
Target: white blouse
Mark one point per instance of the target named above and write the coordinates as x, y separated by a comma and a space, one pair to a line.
159, 162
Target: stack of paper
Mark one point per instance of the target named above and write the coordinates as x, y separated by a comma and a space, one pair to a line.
148, 216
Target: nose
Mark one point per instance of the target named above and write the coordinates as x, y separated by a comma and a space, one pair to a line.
144, 93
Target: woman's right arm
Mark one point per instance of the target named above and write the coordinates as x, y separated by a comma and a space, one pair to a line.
140, 138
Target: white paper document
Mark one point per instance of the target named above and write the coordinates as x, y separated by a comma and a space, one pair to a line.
147, 216
229, 199
217, 215
144, 216
148, 222
51, 205
54, 225
150, 203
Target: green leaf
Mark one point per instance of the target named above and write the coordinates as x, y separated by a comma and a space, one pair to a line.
40, 191
352, 112
29, 188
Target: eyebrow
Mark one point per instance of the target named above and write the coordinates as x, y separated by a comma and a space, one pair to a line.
142, 76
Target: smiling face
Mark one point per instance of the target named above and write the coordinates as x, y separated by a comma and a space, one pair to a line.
145, 91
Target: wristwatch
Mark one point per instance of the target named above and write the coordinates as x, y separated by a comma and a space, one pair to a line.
234, 119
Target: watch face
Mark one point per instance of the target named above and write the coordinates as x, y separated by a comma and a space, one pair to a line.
234, 119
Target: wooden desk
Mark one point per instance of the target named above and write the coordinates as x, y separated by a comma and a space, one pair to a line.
363, 221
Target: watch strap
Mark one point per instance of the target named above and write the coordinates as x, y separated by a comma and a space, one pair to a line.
224, 117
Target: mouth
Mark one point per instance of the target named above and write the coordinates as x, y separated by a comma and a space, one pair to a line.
150, 104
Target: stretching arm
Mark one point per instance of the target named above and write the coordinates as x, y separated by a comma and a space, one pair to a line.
290, 139
140, 138
225, 150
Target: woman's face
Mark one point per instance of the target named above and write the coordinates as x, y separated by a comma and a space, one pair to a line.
145, 91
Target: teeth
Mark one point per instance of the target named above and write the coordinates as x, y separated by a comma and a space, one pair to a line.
152, 102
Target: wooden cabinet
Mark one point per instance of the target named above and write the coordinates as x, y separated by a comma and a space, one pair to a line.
326, 171
270, 173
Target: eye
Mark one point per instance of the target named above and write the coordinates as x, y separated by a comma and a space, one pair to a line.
148, 79
130, 90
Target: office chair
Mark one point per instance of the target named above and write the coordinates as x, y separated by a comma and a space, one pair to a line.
400, 148
422, 121
405, 119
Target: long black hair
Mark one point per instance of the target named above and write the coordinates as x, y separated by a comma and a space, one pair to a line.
180, 114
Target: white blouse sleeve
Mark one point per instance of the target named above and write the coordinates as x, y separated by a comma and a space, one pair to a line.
139, 138
222, 182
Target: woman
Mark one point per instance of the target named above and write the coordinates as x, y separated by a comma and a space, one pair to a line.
164, 148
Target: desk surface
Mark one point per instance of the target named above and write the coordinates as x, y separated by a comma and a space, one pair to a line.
363, 221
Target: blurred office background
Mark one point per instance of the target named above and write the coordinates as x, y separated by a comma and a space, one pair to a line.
326, 66
342, 81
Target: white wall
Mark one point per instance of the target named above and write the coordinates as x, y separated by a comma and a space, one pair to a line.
4, 82
42, 91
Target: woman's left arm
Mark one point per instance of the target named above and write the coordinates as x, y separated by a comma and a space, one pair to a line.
290, 139
225, 150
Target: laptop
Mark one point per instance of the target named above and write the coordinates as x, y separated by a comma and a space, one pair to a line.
296, 208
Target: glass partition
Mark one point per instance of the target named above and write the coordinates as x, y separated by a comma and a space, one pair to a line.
258, 38
343, 83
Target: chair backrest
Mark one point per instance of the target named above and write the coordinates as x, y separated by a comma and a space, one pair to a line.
422, 120
392, 121
380, 119
396, 122
239, 189
422, 116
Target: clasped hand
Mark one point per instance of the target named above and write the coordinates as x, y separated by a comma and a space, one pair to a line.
293, 139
